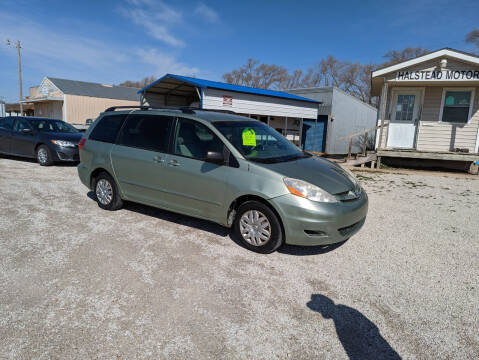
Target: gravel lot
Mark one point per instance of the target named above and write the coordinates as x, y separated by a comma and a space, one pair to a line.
79, 282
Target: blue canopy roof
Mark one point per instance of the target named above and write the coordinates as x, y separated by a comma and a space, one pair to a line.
202, 83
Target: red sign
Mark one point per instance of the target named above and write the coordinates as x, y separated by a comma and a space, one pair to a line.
227, 100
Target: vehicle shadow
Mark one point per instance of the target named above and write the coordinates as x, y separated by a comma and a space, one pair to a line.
176, 218
34, 161
309, 250
216, 229
360, 337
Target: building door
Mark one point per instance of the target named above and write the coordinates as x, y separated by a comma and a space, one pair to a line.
314, 134
405, 111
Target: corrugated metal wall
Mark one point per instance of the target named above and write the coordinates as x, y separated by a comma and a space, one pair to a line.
257, 104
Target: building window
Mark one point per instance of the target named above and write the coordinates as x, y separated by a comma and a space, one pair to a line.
456, 106
405, 107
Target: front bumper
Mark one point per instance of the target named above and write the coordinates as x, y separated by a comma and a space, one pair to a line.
311, 223
66, 153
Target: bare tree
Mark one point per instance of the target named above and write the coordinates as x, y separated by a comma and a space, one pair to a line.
263, 76
139, 84
473, 38
396, 56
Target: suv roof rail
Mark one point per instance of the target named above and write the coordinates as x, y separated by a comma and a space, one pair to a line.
184, 109
141, 107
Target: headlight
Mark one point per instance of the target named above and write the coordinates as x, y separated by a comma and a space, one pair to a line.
63, 143
308, 191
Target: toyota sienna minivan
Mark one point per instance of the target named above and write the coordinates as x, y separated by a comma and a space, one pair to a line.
229, 169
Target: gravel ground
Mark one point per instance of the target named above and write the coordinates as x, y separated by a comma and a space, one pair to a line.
77, 282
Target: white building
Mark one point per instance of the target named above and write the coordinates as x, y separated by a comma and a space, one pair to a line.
282, 111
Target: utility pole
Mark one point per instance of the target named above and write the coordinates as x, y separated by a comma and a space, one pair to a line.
19, 59
20, 75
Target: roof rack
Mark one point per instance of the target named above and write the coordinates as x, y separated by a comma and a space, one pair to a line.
141, 107
183, 109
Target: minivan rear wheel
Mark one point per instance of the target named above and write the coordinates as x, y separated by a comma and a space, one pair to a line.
258, 227
106, 192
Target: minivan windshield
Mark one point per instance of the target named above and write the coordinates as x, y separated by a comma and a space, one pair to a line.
52, 125
259, 142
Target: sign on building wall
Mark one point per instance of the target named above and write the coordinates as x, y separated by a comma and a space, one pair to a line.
227, 100
438, 75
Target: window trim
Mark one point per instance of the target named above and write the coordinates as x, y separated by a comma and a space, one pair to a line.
471, 104
396, 91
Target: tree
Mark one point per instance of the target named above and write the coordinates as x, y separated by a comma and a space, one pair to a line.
139, 84
473, 38
397, 56
253, 74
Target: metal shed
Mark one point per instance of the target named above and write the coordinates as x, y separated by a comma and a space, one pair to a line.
283, 111
340, 114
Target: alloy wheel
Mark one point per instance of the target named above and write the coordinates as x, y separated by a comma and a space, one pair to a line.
42, 156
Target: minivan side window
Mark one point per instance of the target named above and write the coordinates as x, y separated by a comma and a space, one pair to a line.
6, 123
149, 132
194, 140
107, 128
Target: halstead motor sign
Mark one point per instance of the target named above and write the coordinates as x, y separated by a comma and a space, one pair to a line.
437, 75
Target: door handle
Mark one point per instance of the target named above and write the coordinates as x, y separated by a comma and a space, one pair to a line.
173, 163
158, 159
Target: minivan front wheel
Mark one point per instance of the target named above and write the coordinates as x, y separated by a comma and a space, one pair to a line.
258, 227
106, 192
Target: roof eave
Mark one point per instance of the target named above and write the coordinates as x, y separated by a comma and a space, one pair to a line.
442, 52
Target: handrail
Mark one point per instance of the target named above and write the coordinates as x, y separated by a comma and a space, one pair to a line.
365, 140
361, 132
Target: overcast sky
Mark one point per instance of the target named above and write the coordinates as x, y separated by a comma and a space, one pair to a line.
112, 41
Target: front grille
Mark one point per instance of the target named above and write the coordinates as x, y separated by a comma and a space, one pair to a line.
349, 195
344, 231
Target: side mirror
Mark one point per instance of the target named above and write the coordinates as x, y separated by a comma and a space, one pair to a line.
215, 157
27, 131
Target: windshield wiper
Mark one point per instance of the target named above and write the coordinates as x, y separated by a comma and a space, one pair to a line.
274, 160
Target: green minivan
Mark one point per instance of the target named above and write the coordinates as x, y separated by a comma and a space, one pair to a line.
222, 167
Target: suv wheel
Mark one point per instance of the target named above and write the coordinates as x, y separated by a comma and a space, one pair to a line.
258, 227
106, 192
44, 156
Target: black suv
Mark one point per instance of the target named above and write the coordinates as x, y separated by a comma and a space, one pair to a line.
47, 140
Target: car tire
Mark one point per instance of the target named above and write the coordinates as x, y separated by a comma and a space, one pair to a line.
106, 192
44, 156
253, 222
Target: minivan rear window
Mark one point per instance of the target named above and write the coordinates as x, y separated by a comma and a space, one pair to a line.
107, 128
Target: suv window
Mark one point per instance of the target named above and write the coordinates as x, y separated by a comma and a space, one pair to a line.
194, 140
107, 128
149, 132
21, 124
6, 123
